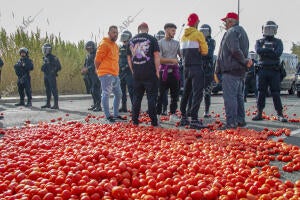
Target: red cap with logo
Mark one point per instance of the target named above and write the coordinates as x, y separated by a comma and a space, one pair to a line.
192, 19
231, 15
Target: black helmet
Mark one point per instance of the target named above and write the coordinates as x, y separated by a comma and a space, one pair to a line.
46, 49
125, 36
23, 50
90, 45
206, 30
160, 35
270, 28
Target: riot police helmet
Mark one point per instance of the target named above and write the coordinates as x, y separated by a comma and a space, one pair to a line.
46, 49
90, 46
270, 28
252, 55
23, 50
125, 36
206, 30
160, 35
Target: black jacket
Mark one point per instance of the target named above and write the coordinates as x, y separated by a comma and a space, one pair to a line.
23, 67
51, 65
233, 52
269, 50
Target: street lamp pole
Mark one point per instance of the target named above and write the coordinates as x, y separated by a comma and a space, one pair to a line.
239, 8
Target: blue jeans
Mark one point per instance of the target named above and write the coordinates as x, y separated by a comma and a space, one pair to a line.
110, 84
233, 94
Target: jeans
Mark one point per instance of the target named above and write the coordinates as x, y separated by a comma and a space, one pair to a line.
233, 94
193, 88
110, 84
265, 78
151, 88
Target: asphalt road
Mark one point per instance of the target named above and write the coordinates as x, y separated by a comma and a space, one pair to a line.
75, 106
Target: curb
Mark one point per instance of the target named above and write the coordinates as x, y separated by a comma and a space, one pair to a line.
43, 98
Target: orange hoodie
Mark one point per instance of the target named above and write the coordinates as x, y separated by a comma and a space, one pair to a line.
108, 56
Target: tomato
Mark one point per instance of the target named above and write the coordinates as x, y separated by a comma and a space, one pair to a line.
197, 195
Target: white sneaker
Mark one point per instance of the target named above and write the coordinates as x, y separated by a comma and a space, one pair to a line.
174, 118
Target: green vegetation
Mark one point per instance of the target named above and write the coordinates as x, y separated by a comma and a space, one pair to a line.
296, 49
70, 55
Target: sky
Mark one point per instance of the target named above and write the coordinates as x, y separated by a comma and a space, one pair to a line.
89, 19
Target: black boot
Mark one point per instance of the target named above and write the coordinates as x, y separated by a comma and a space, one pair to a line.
258, 116
47, 105
55, 107
21, 103
28, 104
164, 112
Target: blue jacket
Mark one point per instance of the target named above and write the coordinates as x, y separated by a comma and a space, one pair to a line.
233, 53
23, 67
269, 50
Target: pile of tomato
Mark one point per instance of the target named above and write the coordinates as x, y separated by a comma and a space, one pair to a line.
74, 160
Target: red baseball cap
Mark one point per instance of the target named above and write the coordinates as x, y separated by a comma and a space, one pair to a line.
231, 15
192, 19
143, 25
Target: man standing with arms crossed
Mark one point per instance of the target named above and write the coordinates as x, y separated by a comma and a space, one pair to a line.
143, 59
107, 67
232, 63
169, 69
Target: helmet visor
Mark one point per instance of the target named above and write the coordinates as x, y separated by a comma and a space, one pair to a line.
46, 50
205, 31
270, 30
125, 37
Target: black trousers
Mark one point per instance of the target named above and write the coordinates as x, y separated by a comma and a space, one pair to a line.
151, 89
193, 88
95, 89
24, 84
51, 88
126, 83
173, 84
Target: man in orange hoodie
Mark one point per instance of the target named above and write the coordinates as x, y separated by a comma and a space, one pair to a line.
107, 68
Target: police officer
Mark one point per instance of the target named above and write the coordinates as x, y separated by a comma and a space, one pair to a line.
125, 72
208, 66
250, 82
50, 67
269, 50
89, 71
22, 69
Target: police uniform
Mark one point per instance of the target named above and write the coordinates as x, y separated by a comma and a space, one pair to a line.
22, 69
269, 50
51, 66
125, 77
94, 81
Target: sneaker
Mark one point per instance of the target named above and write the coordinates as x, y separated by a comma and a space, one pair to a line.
196, 124
228, 126
281, 118
174, 118
92, 107
206, 115
257, 117
110, 119
119, 118
184, 122
97, 109
242, 124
